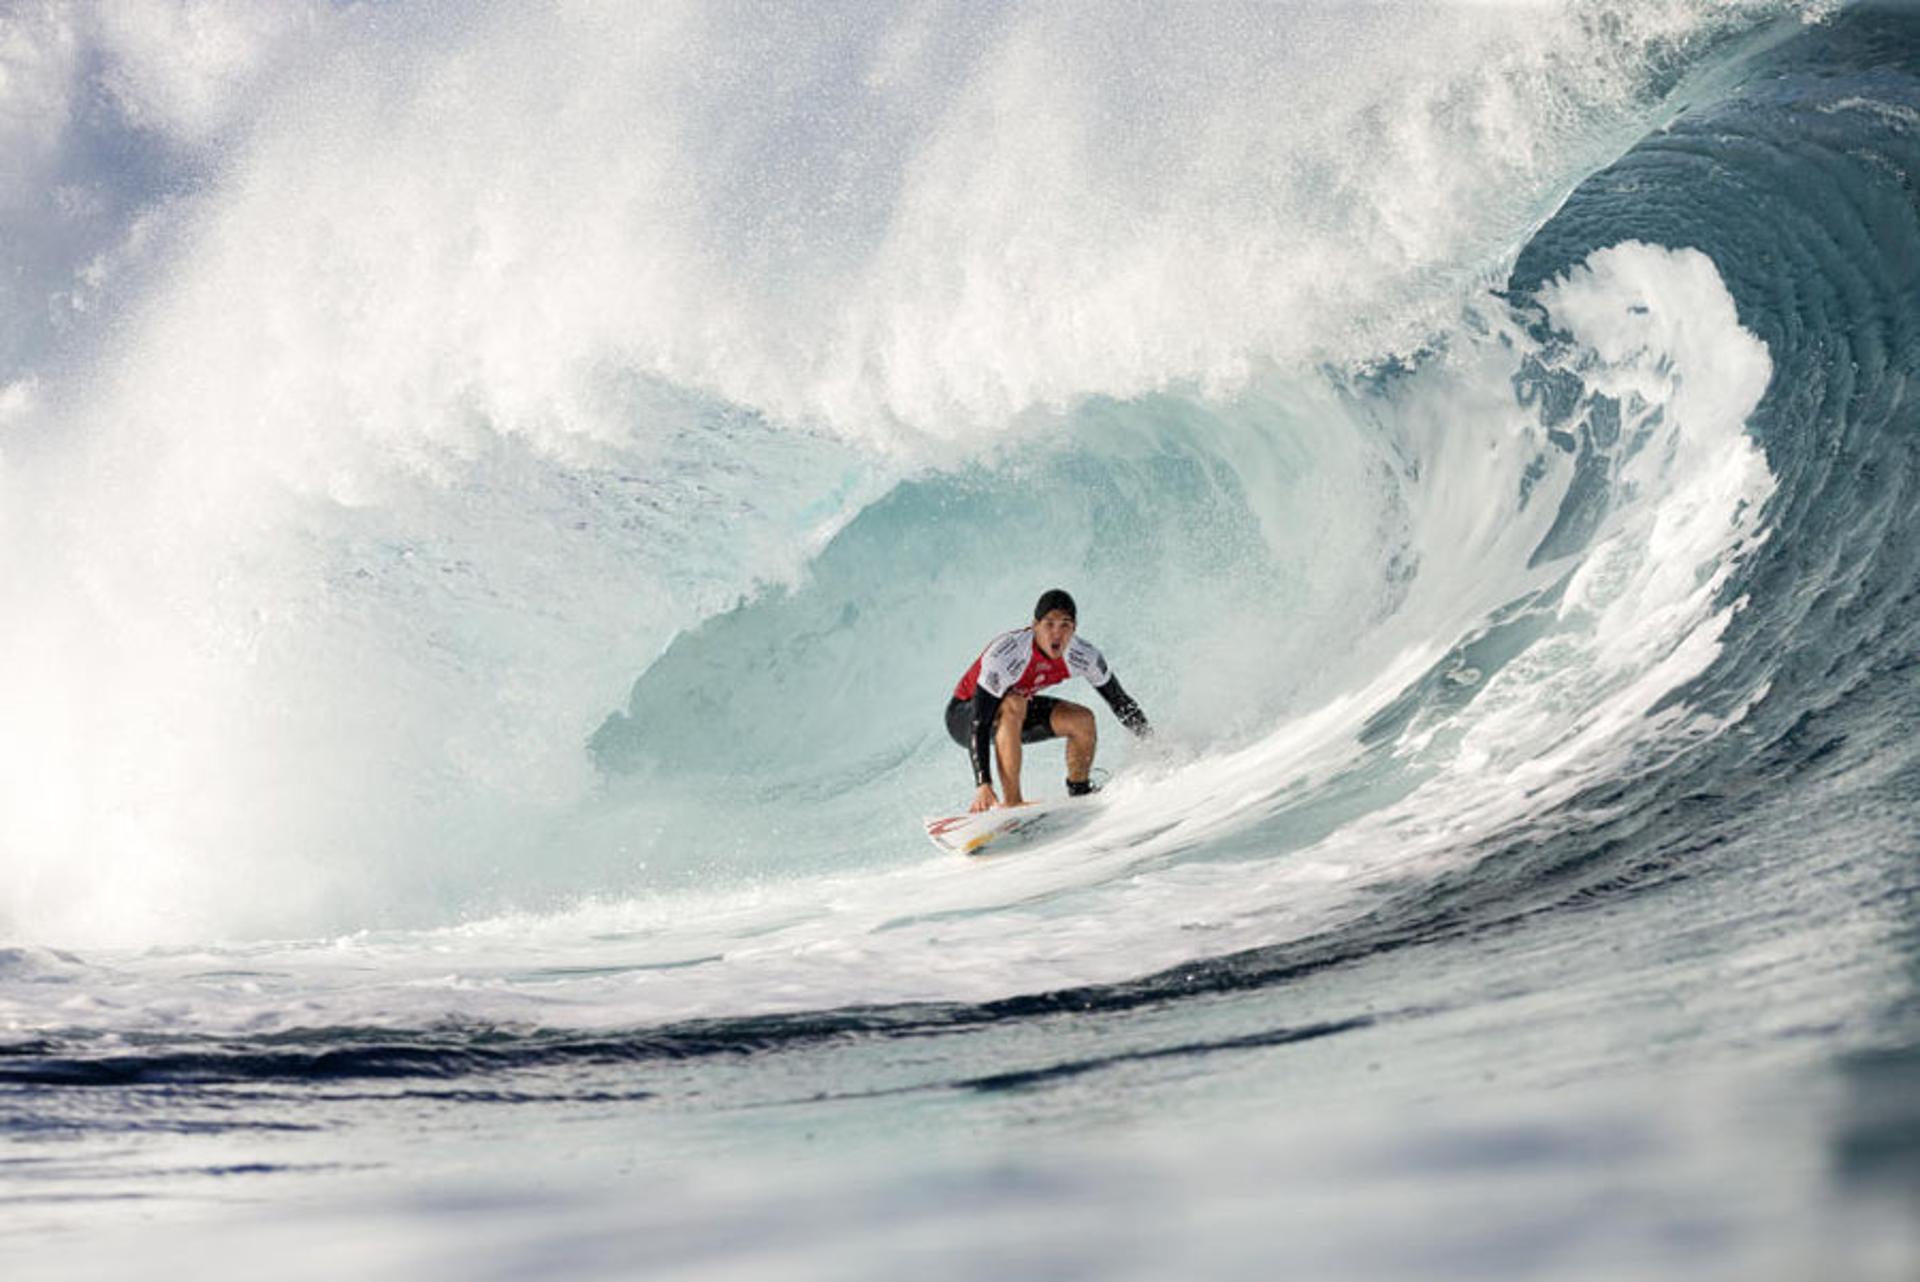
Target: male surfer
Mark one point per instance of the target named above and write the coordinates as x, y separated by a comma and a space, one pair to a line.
996, 701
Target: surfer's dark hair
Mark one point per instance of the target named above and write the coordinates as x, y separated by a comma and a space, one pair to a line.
1055, 599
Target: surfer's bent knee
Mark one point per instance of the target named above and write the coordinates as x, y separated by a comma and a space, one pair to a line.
1075, 722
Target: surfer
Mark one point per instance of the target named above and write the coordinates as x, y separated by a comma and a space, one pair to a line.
997, 704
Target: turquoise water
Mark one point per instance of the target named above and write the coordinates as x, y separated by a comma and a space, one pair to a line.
492, 502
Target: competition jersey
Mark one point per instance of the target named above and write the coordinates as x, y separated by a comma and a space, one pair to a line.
1013, 664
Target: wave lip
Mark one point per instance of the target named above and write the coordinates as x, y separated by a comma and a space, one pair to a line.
1796, 180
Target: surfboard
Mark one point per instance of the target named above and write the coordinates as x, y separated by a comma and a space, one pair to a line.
972, 834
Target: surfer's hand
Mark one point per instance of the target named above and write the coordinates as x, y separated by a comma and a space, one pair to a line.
984, 799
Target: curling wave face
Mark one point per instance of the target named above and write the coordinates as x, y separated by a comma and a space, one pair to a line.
377, 564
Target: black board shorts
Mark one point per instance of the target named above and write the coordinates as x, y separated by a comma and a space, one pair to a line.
1037, 726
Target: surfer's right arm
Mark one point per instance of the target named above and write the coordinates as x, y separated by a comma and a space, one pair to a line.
986, 715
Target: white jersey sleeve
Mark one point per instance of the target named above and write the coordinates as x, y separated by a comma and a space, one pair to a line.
1005, 661
1085, 660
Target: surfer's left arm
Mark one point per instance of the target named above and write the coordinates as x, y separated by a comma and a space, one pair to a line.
1085, 660
1123, 706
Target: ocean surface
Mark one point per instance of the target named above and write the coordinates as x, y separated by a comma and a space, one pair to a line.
494, 498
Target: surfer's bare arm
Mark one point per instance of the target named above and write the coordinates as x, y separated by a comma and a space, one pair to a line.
1123, 706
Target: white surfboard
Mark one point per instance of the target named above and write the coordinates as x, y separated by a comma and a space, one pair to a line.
972, 834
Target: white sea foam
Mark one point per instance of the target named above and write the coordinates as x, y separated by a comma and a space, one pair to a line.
468, 356
1586, 699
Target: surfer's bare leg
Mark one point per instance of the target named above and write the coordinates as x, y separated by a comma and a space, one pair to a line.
1006, 744
1076, 725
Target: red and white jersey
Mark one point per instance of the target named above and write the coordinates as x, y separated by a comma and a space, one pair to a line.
1013, 664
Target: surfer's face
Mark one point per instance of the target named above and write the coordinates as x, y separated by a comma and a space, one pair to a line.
1052, 632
